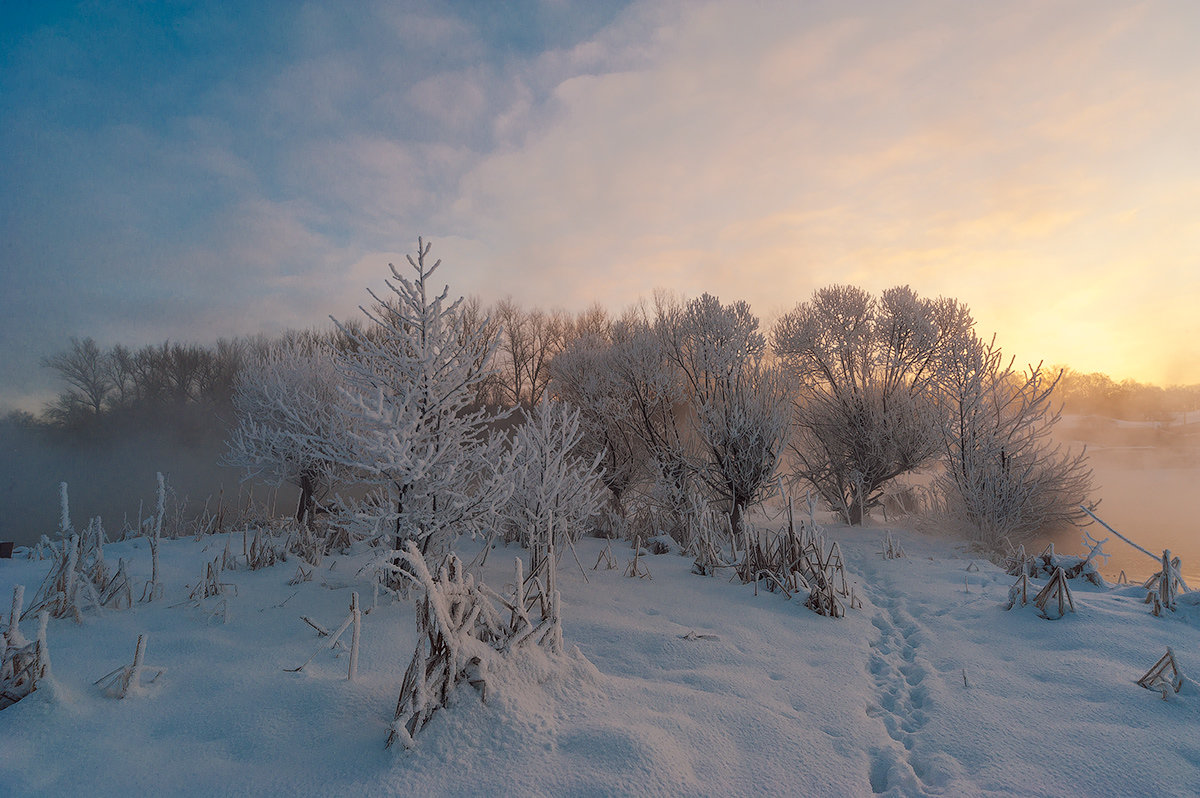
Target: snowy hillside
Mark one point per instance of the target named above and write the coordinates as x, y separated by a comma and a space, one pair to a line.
681, 685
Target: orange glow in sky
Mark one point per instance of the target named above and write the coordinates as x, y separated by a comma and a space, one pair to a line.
1038, 161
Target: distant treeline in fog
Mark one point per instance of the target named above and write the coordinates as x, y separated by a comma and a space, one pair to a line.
1099, 395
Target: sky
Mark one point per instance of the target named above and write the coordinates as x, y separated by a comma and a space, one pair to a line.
187, 171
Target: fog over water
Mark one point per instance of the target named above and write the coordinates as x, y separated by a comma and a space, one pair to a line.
1146, 477
111, 475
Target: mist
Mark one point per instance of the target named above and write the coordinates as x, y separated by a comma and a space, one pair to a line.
112, 474
1145, 475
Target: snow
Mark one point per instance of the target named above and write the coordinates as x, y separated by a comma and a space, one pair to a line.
672, 685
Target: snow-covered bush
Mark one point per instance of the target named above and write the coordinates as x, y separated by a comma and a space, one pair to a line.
463, 636
585, 375
1003, 476
739, 403
796, 561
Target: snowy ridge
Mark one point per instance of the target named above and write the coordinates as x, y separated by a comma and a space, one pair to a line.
681, 685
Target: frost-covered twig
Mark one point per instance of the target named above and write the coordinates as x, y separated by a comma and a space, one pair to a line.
354, 619
153, 589
127, 679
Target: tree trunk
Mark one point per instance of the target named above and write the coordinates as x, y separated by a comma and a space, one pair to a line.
306, 505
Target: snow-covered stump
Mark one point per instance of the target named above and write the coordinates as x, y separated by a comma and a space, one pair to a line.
127, 679
1163, 675
463, 637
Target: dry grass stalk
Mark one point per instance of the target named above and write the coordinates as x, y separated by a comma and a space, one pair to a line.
301, 575
1164, 675
307, 543
354, 619
210, 584
892, 550
67, 589
1166, 585
229, 561
262, 552
606, 557
636, 567
1055, 598
792, 561
1019, 592
1049, 561
462, 633
23, 665
154, 589
127, 679
118, 593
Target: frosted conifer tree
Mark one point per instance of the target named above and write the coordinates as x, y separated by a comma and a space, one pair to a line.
412, 428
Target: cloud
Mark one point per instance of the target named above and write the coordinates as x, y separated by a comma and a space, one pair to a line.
246, 170
971, 151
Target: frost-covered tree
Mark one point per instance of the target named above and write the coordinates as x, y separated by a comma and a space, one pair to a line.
556, 488
659, 410
866, 370
739, 404
413, 428
1004, 476
287, 401
585, 375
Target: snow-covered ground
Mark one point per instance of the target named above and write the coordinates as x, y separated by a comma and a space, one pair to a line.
931, 688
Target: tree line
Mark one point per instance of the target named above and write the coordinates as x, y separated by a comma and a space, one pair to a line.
682, 407
1129, 400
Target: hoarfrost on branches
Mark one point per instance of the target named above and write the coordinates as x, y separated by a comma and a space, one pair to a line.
1004, 476
287, 399
866, 371
553, 485
411, 427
